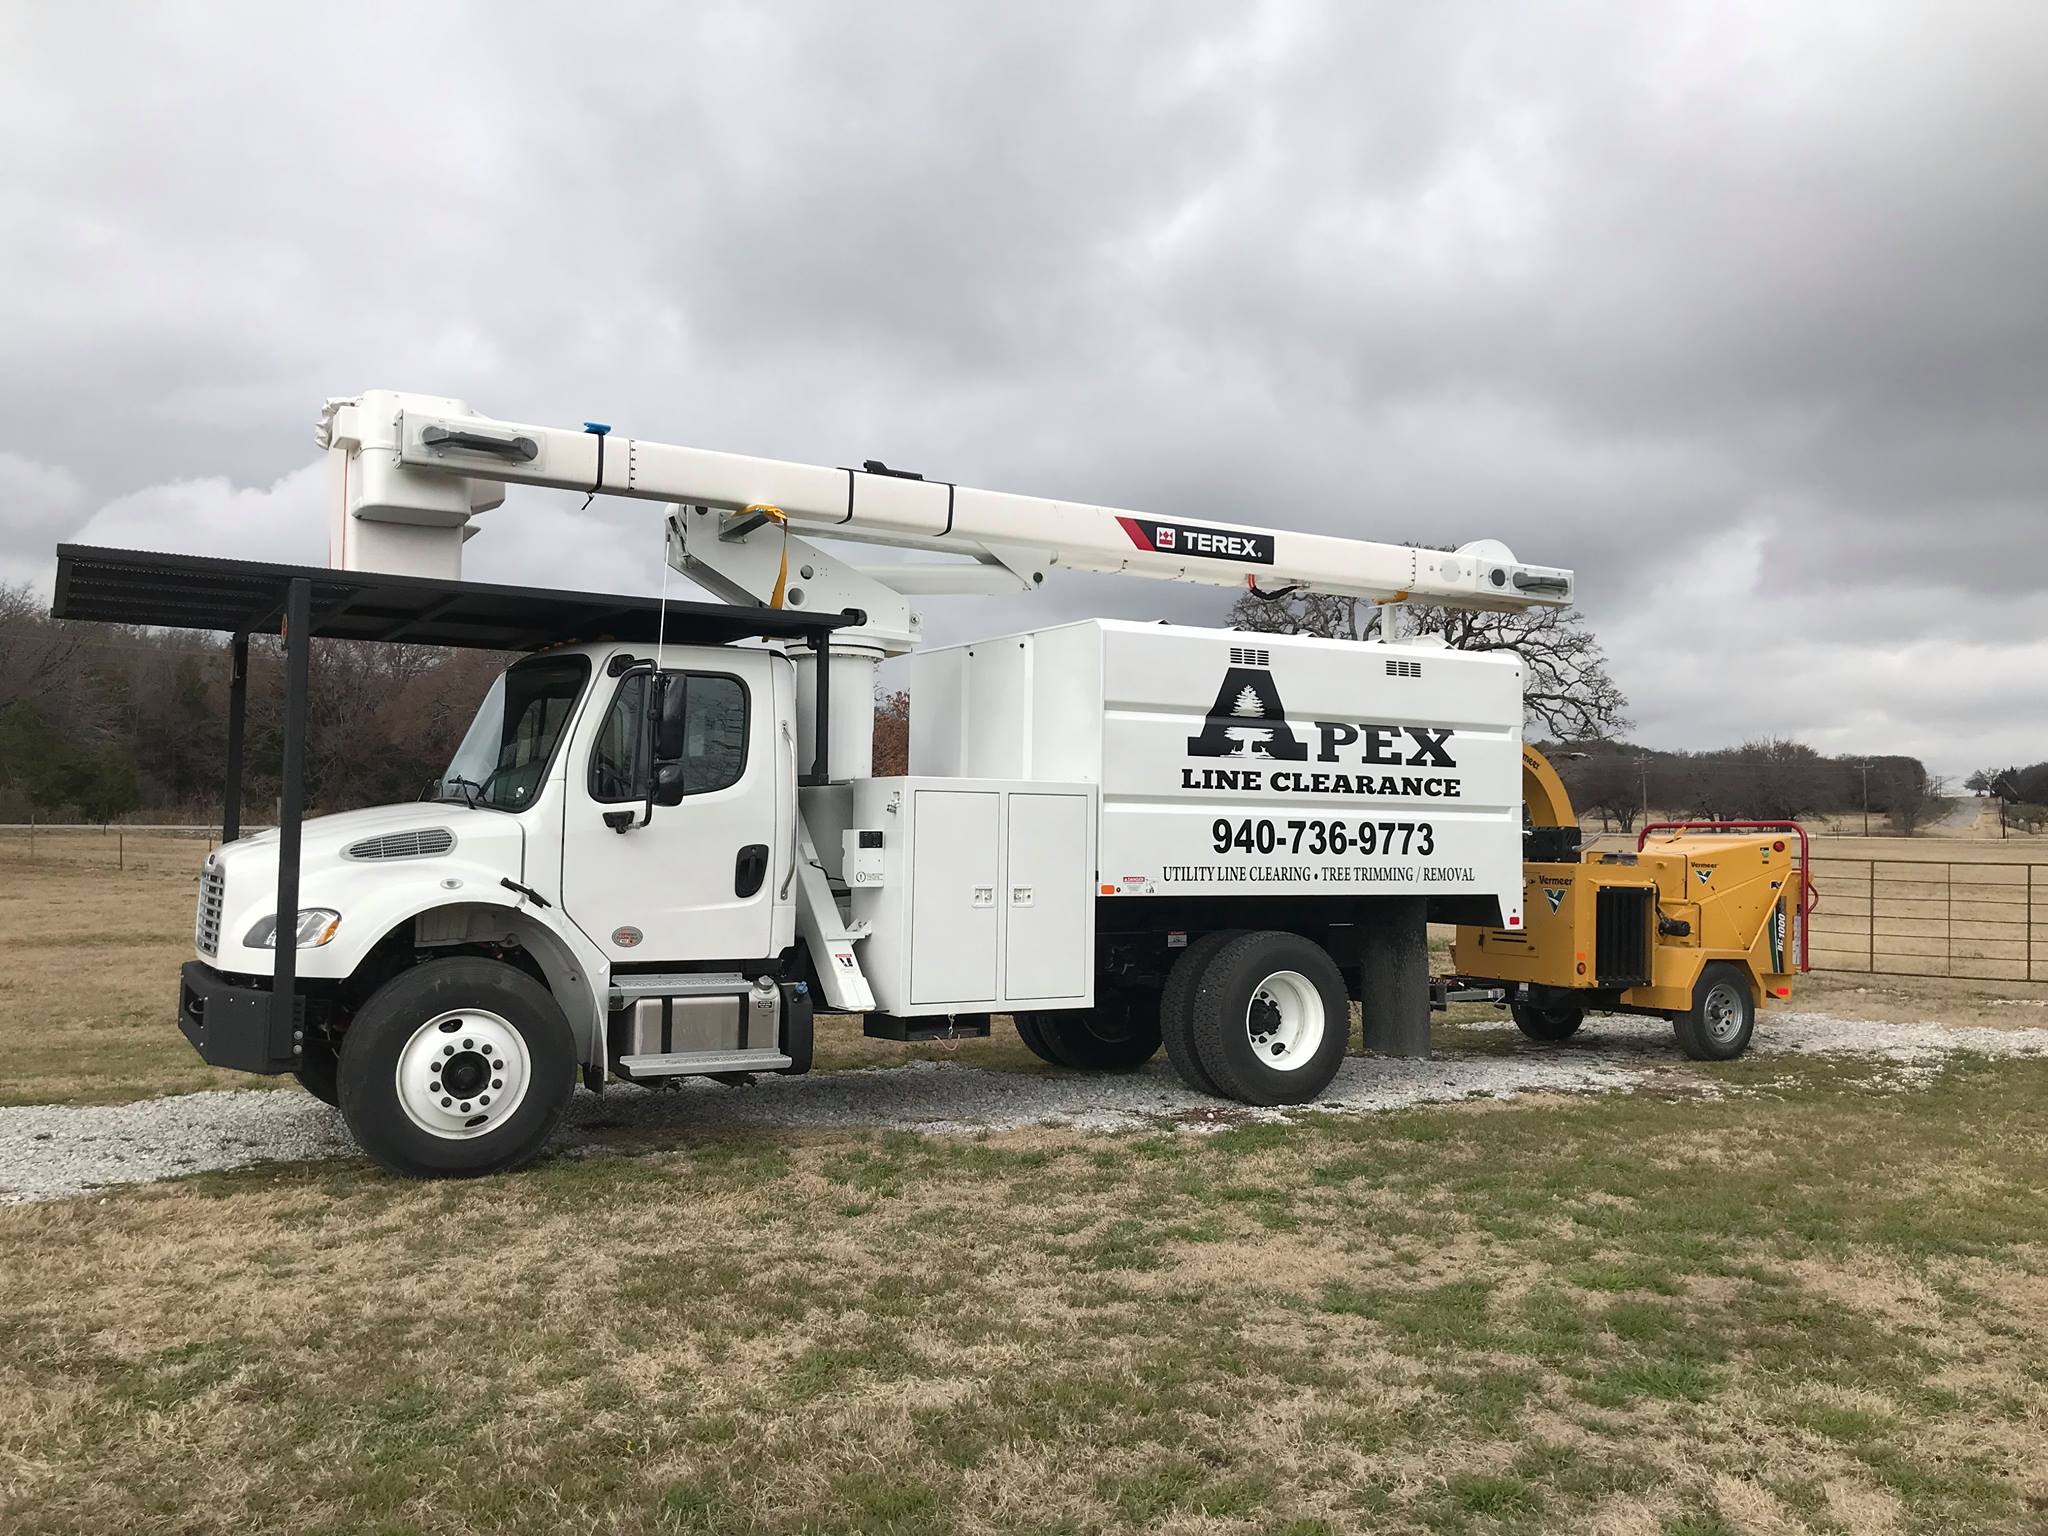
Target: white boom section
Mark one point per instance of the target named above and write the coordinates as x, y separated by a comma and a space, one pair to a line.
408, 464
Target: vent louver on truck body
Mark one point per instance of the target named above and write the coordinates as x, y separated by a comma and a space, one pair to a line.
403, 845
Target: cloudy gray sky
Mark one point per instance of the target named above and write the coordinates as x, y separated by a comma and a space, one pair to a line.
1741, 310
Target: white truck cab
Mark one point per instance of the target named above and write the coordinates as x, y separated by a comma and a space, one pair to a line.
668, 915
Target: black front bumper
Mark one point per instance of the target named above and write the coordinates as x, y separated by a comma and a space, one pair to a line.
230, 1024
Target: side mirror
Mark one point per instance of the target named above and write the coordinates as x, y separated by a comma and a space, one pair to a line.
669, 738
668, 783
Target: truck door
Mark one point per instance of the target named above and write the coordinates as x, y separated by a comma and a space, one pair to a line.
699, 880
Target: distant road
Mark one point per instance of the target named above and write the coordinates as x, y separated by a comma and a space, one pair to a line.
1963, 815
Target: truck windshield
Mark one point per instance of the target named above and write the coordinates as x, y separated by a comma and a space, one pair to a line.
505, 754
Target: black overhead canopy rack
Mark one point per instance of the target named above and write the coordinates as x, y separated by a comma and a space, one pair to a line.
302, 602
130, 586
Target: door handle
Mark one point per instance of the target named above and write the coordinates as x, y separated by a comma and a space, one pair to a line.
795, 815
750, 869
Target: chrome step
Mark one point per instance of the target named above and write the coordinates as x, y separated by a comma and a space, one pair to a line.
699, 1063
630, 989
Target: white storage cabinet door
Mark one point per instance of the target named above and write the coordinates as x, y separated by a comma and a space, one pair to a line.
1050, 886
955, 920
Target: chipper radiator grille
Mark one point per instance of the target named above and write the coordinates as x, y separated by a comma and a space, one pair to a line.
1621, 936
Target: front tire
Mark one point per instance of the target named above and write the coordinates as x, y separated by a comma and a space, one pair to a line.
457, 1068
1723, 1015
1272, 1019
1548, 1022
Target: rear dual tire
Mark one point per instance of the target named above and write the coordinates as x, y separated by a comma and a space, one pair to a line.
1271, 1018
1119, 1034
1177, 1009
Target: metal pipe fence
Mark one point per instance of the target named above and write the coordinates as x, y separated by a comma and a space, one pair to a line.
1985, 921
115, 845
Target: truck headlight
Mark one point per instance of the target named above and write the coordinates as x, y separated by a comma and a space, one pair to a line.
315, 927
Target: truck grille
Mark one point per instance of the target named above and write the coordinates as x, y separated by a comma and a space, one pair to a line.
212, 891
404, 845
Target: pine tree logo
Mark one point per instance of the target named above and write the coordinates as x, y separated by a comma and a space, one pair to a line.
1251, 739
1247, 719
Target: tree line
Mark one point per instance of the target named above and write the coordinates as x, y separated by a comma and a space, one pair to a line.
99, 723
2022, 794
1768, 780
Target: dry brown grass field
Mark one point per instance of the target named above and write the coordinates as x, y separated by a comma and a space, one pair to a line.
1786, 1294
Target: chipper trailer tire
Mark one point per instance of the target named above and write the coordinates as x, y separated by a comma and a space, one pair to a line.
1718, 1025
1548, 1022
660, 846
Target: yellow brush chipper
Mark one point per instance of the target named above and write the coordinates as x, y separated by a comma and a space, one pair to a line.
1702, 925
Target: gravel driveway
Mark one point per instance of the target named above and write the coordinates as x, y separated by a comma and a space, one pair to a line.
48, 1152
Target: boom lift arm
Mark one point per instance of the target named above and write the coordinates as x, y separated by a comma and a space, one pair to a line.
410, 471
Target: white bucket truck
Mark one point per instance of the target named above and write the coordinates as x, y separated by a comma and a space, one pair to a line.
658, 846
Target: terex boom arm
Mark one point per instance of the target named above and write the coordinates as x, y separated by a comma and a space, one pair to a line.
411, 469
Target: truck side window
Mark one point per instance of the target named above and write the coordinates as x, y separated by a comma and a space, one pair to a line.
714, 732
707, 721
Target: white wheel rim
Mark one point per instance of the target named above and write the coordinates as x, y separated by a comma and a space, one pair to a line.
1724, 1013
1284, 1021
462, 1074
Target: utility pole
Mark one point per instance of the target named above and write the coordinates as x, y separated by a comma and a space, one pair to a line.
2002, 834
1865, 766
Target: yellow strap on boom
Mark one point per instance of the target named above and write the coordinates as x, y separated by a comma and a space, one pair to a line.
775, 514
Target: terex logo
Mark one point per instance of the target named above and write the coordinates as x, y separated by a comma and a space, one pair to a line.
1189, 539
1248, 720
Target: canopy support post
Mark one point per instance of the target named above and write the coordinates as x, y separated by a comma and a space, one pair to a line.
238, 712
821, 761
298, 626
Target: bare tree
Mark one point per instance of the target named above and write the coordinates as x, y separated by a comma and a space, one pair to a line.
892, 734
1566, 691
35, 650
1913, 797
1607, 783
